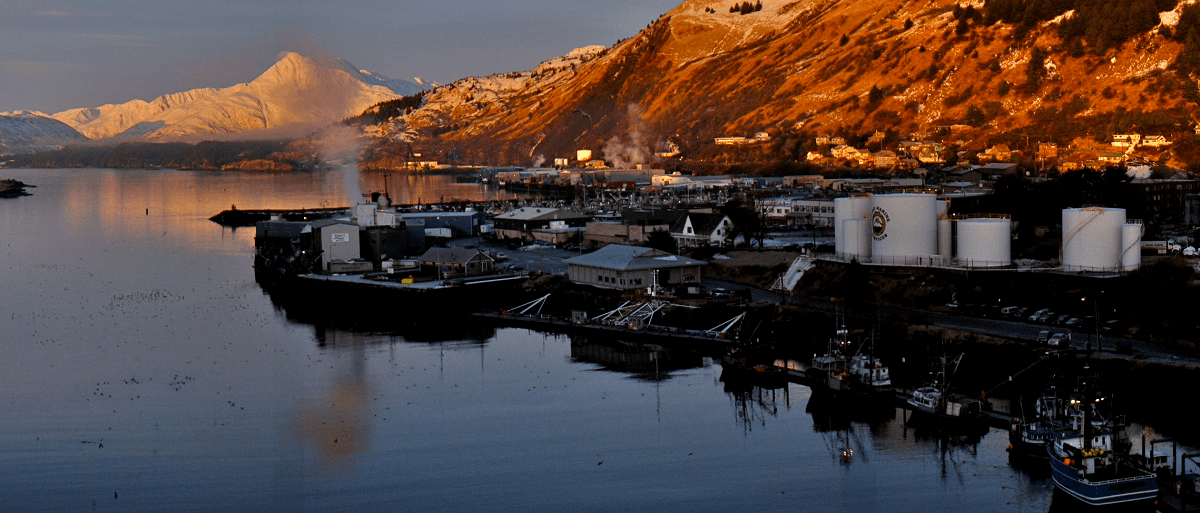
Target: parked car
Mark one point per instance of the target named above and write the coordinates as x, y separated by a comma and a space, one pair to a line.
1058, 339
1074, 321
1061, 319
1009, 311
1040, 314
1043, 336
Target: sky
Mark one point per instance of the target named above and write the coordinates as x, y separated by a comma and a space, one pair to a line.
62, 54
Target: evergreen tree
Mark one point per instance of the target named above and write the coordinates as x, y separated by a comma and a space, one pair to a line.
908, 24
1037, 66
962, 27
875, 95
845, 39
1188, 60
1077, 49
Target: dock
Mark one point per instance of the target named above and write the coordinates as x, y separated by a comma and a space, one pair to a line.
237, 218
665, 336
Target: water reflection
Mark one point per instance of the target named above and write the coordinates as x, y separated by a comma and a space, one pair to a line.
752, 405
643, 362
337, 423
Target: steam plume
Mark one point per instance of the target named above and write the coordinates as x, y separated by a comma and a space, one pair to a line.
340, 147
630, 149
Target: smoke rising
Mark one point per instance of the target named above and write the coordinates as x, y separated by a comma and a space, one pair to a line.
538, 160
1138, 172
339, 147
630, 149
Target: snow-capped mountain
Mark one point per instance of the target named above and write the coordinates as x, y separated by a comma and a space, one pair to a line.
296, 93
22, 132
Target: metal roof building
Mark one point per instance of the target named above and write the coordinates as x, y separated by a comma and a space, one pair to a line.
618, 266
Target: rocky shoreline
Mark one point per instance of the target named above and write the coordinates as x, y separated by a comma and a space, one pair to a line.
13, 188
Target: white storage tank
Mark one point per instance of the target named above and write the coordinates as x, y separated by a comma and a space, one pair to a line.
903, 228
1092, 238
1131, 240
945, 238
858, 239
854, 207
985, 241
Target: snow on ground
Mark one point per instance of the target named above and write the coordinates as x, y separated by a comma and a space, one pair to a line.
1171, 18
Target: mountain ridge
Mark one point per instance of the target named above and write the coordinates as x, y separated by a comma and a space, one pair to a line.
798, 68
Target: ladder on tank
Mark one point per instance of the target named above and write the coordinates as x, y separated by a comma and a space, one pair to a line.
1096, 212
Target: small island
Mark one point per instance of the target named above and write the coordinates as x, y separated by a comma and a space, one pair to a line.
13, 188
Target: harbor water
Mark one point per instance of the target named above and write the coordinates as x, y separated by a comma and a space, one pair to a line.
143, 369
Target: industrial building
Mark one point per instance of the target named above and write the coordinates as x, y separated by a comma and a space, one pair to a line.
622, 267
460, 224
551, 222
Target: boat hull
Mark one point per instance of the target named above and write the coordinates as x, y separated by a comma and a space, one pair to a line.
1099, 493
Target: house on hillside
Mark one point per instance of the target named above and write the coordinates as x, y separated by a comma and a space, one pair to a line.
1126, 140
622, 267
695, 230
1047, 150
997, 153
1155, 141
928, 156
885, 159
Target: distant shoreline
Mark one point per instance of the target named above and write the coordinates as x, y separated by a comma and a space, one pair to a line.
13, 188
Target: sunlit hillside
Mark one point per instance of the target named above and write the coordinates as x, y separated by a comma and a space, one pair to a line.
926, 69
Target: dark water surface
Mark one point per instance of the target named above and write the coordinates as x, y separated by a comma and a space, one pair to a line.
142, 369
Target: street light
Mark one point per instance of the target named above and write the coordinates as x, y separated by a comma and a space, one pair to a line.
1096, 319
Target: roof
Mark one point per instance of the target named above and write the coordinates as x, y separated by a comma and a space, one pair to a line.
281, 229
1000, 165
540, 214
451, 255
628, 258
321, 223
422, 215
702, 224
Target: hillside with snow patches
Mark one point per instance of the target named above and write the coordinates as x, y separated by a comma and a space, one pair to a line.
22, 132
795, 68
294, 96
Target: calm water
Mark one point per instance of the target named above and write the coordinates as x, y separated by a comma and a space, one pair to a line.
142, 369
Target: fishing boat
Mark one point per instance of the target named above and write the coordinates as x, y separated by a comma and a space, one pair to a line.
1089, 460
858, 375
936, 403
1028, 435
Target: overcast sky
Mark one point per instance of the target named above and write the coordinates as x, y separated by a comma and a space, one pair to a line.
62, 54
